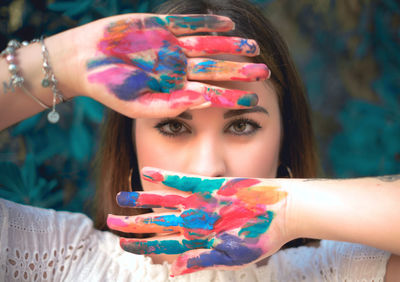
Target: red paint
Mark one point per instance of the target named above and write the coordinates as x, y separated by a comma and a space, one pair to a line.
152, 176
216, 45
232, 186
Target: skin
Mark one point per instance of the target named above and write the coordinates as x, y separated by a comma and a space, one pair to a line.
220, 153
140, 65
140, 60
210, 142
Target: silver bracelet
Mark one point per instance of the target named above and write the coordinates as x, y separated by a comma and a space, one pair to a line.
16, 79
50, 80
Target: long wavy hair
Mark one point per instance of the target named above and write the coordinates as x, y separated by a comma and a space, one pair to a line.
117, 157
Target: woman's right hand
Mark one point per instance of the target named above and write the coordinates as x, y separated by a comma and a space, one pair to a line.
136, 64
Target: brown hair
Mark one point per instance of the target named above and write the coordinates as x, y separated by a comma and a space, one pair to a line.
118, 156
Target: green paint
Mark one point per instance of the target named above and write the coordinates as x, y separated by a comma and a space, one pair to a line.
248, 100
169, 247
259, 228
194, 184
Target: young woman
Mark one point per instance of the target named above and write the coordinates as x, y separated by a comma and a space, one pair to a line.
227, 211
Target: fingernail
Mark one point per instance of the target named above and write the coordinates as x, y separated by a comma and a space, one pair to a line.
127, 199
249, 100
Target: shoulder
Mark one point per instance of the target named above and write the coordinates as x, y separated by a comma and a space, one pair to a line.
37, 243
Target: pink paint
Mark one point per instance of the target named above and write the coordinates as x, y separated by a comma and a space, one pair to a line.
115, 222
176, 99
152, 175
204, 45
231, 187
260, 71
132, 39
114, 75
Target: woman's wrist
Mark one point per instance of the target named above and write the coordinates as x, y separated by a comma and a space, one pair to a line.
63, 58
353, 210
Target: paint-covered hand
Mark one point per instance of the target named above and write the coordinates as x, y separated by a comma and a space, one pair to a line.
214, 223
145, 65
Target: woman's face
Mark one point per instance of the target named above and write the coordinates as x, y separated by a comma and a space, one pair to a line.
215, 142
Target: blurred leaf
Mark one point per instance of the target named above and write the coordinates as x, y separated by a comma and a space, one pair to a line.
26, 125
143, 7
91, 108
61, 6
71, 9
81, 142
11, 182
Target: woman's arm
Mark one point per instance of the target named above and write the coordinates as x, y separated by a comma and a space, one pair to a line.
17, 105
230, 222
363, 210
138, 65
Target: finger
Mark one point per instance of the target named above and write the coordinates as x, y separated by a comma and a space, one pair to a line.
147, 223
158, 200
152, 200
186, 24
195, 46
182, 182
223, 97
219, 70
195, 222
171, 245
230, 252
194, 95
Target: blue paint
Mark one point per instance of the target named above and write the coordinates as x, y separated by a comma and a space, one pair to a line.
170, 247
165, 220
232, 251
204, 67
168, 83
133, 85
143, 64
249, 100
199, 219
189, 219
171, 59
154, 85
257, 229
153, 22
102, 62
127, 199
245, 42
193, 184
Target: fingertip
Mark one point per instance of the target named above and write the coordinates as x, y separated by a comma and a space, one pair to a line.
248, 100
114, 222
127, 199
152, 174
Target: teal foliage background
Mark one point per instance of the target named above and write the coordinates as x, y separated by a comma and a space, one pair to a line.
347, 53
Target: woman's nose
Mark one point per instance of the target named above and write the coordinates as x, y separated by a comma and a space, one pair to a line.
206, 157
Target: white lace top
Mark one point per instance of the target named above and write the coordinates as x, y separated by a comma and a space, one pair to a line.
44, 245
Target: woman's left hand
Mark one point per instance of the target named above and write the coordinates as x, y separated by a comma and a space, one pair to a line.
214, 222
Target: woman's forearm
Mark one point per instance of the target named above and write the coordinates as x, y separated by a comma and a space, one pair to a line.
363, 210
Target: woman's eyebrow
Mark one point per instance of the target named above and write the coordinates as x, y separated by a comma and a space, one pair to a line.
256, 109
185, 115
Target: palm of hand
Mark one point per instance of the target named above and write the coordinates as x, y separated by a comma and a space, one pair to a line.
140, 56
224, 223
143, 68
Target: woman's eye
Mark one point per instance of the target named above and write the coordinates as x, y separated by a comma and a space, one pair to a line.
171, 128
243, 127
